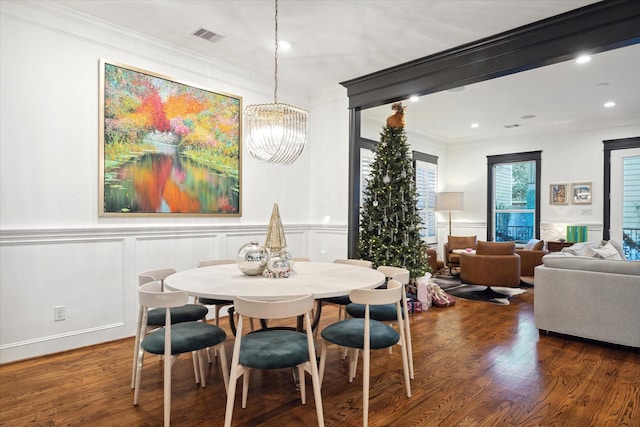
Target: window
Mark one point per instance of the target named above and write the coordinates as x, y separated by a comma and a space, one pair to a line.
426, 170
514, 197
622, 194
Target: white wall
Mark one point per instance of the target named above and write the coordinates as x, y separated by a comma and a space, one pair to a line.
56, 250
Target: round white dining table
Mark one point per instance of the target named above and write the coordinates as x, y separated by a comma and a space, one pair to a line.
322, 279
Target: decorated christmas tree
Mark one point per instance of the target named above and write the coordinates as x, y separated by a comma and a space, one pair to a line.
390, 224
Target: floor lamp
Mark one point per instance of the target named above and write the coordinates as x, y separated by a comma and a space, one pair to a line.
449, 201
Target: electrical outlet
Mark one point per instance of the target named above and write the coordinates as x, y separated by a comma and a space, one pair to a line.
59, 312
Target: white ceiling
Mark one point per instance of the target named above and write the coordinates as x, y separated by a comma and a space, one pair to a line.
337, 40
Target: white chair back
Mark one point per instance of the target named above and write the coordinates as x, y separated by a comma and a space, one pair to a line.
155, 275
391, 295
295, 306
400, 274
151, 295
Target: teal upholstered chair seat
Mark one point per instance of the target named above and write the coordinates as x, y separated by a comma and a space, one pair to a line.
341, 300
186, 313
185, 338
274, 349
383, 313
350, 333
212, 301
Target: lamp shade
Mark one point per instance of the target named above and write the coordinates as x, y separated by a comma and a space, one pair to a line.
450, 201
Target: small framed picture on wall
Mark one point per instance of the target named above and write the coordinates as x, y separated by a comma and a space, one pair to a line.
558, 194
581, 193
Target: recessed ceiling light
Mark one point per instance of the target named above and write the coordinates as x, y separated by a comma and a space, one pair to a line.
414, 98
285, 45
475, 125
609, 104
583, 59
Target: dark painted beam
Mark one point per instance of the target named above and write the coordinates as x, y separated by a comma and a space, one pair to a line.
594, 28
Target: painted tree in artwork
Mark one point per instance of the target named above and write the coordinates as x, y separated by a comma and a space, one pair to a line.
390, 224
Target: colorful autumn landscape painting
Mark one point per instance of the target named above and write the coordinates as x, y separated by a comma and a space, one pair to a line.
167, 147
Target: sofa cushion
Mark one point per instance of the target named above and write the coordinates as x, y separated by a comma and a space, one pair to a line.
496, 248
607, 251
571, 262
534, 245
580, 249
618, 247
461, 242
587, 249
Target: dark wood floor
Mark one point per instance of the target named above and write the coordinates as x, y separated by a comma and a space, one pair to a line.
477, 364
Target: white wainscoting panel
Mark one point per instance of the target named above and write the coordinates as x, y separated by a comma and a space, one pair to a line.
93, 272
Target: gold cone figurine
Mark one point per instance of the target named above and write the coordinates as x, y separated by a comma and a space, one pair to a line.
276, 241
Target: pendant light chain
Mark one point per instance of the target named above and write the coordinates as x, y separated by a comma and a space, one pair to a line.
275, 77
276, 133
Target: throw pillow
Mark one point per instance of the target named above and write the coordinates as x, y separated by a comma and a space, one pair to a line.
618, 247
580, 249
607, 251
534, 245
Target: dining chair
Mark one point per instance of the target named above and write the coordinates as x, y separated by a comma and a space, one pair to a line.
174, 339
366, 334
343, 300
386, 313
217, 304
155, 318
274, 348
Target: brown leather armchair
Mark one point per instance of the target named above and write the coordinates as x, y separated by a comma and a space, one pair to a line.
435, 264
529, 259
493, 264
457, 242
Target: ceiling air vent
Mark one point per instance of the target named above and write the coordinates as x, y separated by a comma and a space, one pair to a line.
209, 36
515, 125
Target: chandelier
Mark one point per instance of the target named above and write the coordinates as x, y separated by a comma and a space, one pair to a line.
276, 133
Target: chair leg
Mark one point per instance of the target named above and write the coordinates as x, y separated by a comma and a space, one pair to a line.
233, 377
323, 360
366, 358
353, 363
196, 367
408, 348
136, 348
224, 366
201, 365
168, 362
136, 389
245, 388
301, 379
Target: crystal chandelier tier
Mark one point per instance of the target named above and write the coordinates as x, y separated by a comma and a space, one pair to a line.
276, 133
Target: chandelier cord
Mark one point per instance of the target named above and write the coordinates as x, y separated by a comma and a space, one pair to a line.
275, 77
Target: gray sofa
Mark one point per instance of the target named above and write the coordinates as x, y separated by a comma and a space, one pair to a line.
589, 297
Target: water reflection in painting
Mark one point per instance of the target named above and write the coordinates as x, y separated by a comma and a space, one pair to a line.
168, 147
169, 184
